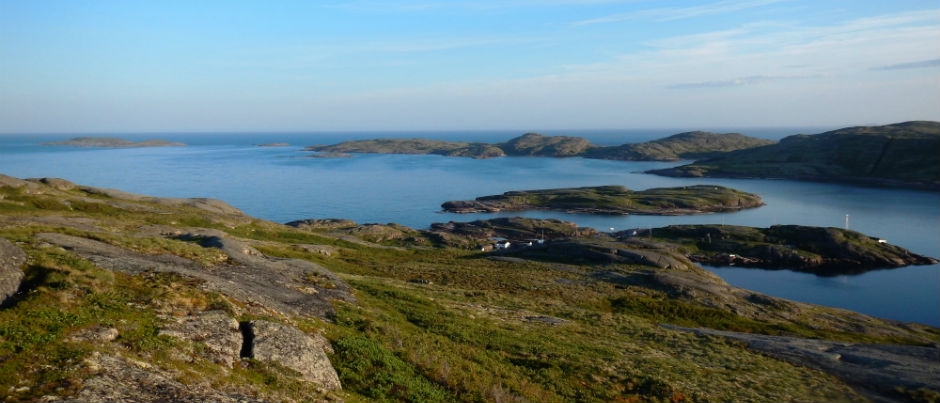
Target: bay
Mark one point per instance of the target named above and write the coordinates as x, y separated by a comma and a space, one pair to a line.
284, 183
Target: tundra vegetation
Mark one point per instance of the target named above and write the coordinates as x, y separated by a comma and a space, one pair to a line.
409, 315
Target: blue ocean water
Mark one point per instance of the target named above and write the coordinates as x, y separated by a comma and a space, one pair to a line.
284, 183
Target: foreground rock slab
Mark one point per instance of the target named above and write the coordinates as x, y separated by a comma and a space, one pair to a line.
12, 259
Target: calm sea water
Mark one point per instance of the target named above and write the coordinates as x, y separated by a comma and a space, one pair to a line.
283, 184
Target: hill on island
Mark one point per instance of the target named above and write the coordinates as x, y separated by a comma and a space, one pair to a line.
680, 146
903, 154
111, 296
688, 145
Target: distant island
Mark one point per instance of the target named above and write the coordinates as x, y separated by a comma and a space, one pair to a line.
684, 200
110, 142
903, 155
898, 155
680, 146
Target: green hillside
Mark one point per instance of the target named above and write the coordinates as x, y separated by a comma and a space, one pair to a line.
110, 296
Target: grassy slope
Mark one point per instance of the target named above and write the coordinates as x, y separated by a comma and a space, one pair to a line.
475, 330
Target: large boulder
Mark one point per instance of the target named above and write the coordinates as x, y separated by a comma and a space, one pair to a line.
293, 349
12, 259
215, 330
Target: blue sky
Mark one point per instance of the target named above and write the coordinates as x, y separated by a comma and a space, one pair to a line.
158, 66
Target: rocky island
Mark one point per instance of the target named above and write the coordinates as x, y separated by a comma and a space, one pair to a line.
110, 142
901, 155
699, 199
112, 296
823, 251
676, 147
897, 155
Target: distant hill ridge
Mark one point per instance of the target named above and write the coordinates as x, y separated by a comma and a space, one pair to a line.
111, 142
902, 154
680, 146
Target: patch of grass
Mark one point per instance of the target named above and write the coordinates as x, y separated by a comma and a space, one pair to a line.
373, 371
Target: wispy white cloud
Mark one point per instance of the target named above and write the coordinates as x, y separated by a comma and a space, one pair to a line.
739, 82
679, 13
480, 5
910, 65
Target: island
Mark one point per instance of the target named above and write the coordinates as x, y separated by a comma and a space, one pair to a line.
823, 251
112, 296
897, 155
680, 146
614, 200
110, 142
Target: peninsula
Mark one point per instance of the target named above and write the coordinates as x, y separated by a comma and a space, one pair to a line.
699, 199
901, 155
822, 251
110, 142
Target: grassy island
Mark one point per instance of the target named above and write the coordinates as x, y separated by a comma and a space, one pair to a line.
684, 200
111, 296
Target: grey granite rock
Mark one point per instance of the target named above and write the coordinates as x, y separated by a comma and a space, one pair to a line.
12, 259
293, 349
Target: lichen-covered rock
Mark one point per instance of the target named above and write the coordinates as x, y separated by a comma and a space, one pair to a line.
217, 331
293, 349
12, 259
96, 334
114, 378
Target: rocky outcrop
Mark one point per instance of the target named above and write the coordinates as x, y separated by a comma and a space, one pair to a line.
12, 260
115, 378
292, 348
216, 331
286, 285
226, 341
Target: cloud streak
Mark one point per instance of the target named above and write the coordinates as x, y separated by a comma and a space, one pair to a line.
910, 65
679, 13
737, 82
